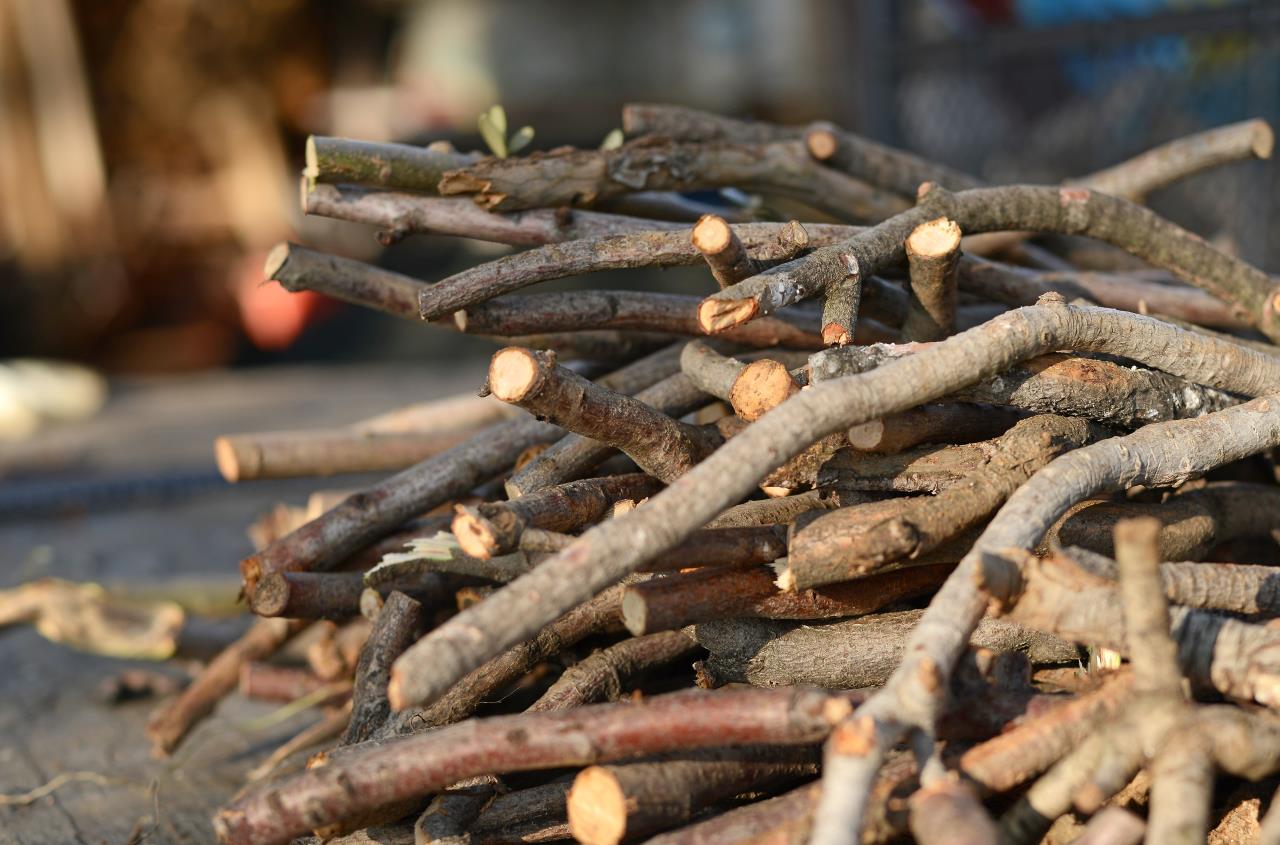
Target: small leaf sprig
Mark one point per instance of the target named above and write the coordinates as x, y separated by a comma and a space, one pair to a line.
493, 129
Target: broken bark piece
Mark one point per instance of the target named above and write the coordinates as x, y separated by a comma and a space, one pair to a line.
603, 675
660, 445
170, 722
852, 542
933, 252
732, 592
398, 624
771, 653
420, 764
623, 802
494, 528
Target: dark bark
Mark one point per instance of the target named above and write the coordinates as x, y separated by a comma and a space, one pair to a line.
399, 623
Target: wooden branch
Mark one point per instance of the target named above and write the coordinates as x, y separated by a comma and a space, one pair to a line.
399, 623
1010, 759
933, 252
610, 550
585, 177
393, 440
401, 214
770, 653
660, 445
576, 454
726, 257
612, 804
333, 655
766, 242
1232, 587
751, 388
1194, 522
1018, 286
365, 516
957, 423
853, 542
399, 166
733, 592
1099, 390
681, 123
840, 304
494, 528
884, 167
170, 722
590, 618
773, 511
605, 675
298, 268
1070, 211
1182, 157
737, 547
336, 595
280, 684
417, 765
508, 816
948, 811
668, 313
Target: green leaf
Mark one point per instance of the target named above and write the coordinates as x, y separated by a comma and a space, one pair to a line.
520, 140
613, 140
493, 137
498, 115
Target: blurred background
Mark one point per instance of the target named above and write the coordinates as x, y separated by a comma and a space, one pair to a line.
150, 149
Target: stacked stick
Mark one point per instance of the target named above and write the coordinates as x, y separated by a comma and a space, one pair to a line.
880, 534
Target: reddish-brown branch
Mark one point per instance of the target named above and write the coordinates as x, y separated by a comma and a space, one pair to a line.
733, 592
336, 595
1071, 211
417, 765
171, 721
269, 682
612, 804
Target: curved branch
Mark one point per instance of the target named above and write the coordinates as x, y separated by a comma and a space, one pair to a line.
1067, 211
670, 248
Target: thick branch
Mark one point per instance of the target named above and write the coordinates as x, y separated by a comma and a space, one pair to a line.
733, 592
585, 177
933, 251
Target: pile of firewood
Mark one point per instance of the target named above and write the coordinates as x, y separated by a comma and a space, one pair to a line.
908, 544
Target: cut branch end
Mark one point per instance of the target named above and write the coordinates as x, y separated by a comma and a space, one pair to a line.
716, 315
513, 372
